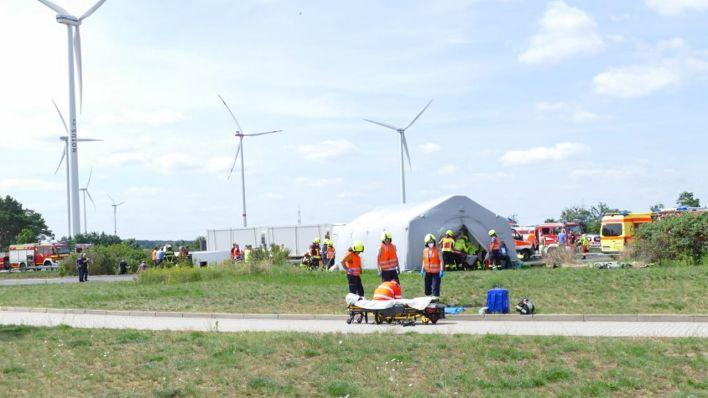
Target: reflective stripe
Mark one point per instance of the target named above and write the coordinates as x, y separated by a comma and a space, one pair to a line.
431, 260
447, 244
353, 263
382, 297
387, 258
494, 244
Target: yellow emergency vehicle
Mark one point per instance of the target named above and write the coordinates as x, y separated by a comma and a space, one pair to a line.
618, 229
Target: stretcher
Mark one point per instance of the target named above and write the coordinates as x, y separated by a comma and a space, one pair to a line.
402, 311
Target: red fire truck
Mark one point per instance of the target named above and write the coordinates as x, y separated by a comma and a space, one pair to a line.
547, 233
37, 255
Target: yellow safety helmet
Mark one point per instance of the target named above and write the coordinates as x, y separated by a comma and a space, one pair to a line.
316, 240
358, 246
492, 232
429, 238
449, 232
386, 235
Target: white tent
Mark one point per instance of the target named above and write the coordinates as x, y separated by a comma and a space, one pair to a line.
411, 222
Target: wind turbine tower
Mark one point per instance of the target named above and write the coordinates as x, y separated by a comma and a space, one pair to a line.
404, 147
74, 49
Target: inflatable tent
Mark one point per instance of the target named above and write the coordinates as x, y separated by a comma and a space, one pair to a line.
411, 222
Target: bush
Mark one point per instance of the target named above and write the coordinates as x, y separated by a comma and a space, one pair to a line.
683, 238
104, 260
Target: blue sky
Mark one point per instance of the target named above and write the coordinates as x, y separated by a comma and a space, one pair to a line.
537, 106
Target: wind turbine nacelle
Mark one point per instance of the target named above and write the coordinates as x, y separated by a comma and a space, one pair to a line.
68, 20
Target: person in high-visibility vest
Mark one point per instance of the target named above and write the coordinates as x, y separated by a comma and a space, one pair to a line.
494, 246
460, 250
389, 290
431, 268
352, 265
584, 243
447, 245
330, 254
387, 259
314, 254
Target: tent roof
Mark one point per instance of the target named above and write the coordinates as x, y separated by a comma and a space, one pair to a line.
396, 214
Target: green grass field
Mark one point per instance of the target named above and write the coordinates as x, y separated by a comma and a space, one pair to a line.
27, 275
648, 290
125, 363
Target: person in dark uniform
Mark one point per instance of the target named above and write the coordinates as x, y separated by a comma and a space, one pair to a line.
123, 267
82, 265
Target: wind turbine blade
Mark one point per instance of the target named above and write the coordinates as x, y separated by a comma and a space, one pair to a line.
421, 112
240, 130
405, 148
61, 117
121, 203
54, 7
263, 133
89, 139
111, 198
233, 166
383, 124
92, 10
79, 72
63, 154
89, 179
89, 195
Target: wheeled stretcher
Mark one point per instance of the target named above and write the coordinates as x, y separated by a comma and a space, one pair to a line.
402, 311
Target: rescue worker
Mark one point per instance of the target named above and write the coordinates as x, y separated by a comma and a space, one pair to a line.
153, 256
447, 245
460, 250
352, 265
584, 243
236, 254
387, 259
122, 267
494, 246
247, 253
330, 254
431, 268
314, 254
389, 290
169, 254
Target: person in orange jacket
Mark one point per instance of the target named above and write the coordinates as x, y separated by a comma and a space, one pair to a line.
432, 268
387, 259
352, 265
389, 290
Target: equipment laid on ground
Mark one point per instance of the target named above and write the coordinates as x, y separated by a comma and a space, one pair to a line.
498, 301
525, 307
402, 311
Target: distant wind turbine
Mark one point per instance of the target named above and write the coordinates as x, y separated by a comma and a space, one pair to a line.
404, 147
74, 51
65, 154
239, 151
85, 191
115, 211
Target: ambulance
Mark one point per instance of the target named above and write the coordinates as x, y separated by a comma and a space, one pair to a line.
618, 229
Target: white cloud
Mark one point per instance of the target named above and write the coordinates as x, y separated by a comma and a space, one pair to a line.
559, 151
327, 149
429, 147
317, 182
446, 170
30, 184
635, 81
567, 111
584, 117
565, 31
676, 7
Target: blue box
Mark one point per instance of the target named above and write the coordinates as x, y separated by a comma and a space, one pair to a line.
498, 301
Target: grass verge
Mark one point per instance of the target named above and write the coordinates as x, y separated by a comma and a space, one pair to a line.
126, 363
582, 290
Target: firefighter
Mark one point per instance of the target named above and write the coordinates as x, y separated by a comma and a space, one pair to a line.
494, 246
447, 245
330, 254
314, 254
584, 244
352, 265
460, 250
389, 290
387, 259
236, 254
169, 254
153, 256
431, 268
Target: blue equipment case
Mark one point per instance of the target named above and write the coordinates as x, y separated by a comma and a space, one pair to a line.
498, 301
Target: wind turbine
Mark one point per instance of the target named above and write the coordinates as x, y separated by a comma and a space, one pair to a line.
85, 191
64, 154
404, 147
239, 150
74, 48
115, 210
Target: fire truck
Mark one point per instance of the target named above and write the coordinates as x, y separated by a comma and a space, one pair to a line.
547, 233
32, 255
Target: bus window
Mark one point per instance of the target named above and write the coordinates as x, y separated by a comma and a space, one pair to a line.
614, 229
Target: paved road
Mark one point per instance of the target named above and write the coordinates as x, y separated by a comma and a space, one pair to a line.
449, 326
72, 279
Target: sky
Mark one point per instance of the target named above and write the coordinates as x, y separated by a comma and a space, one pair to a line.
537, 105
